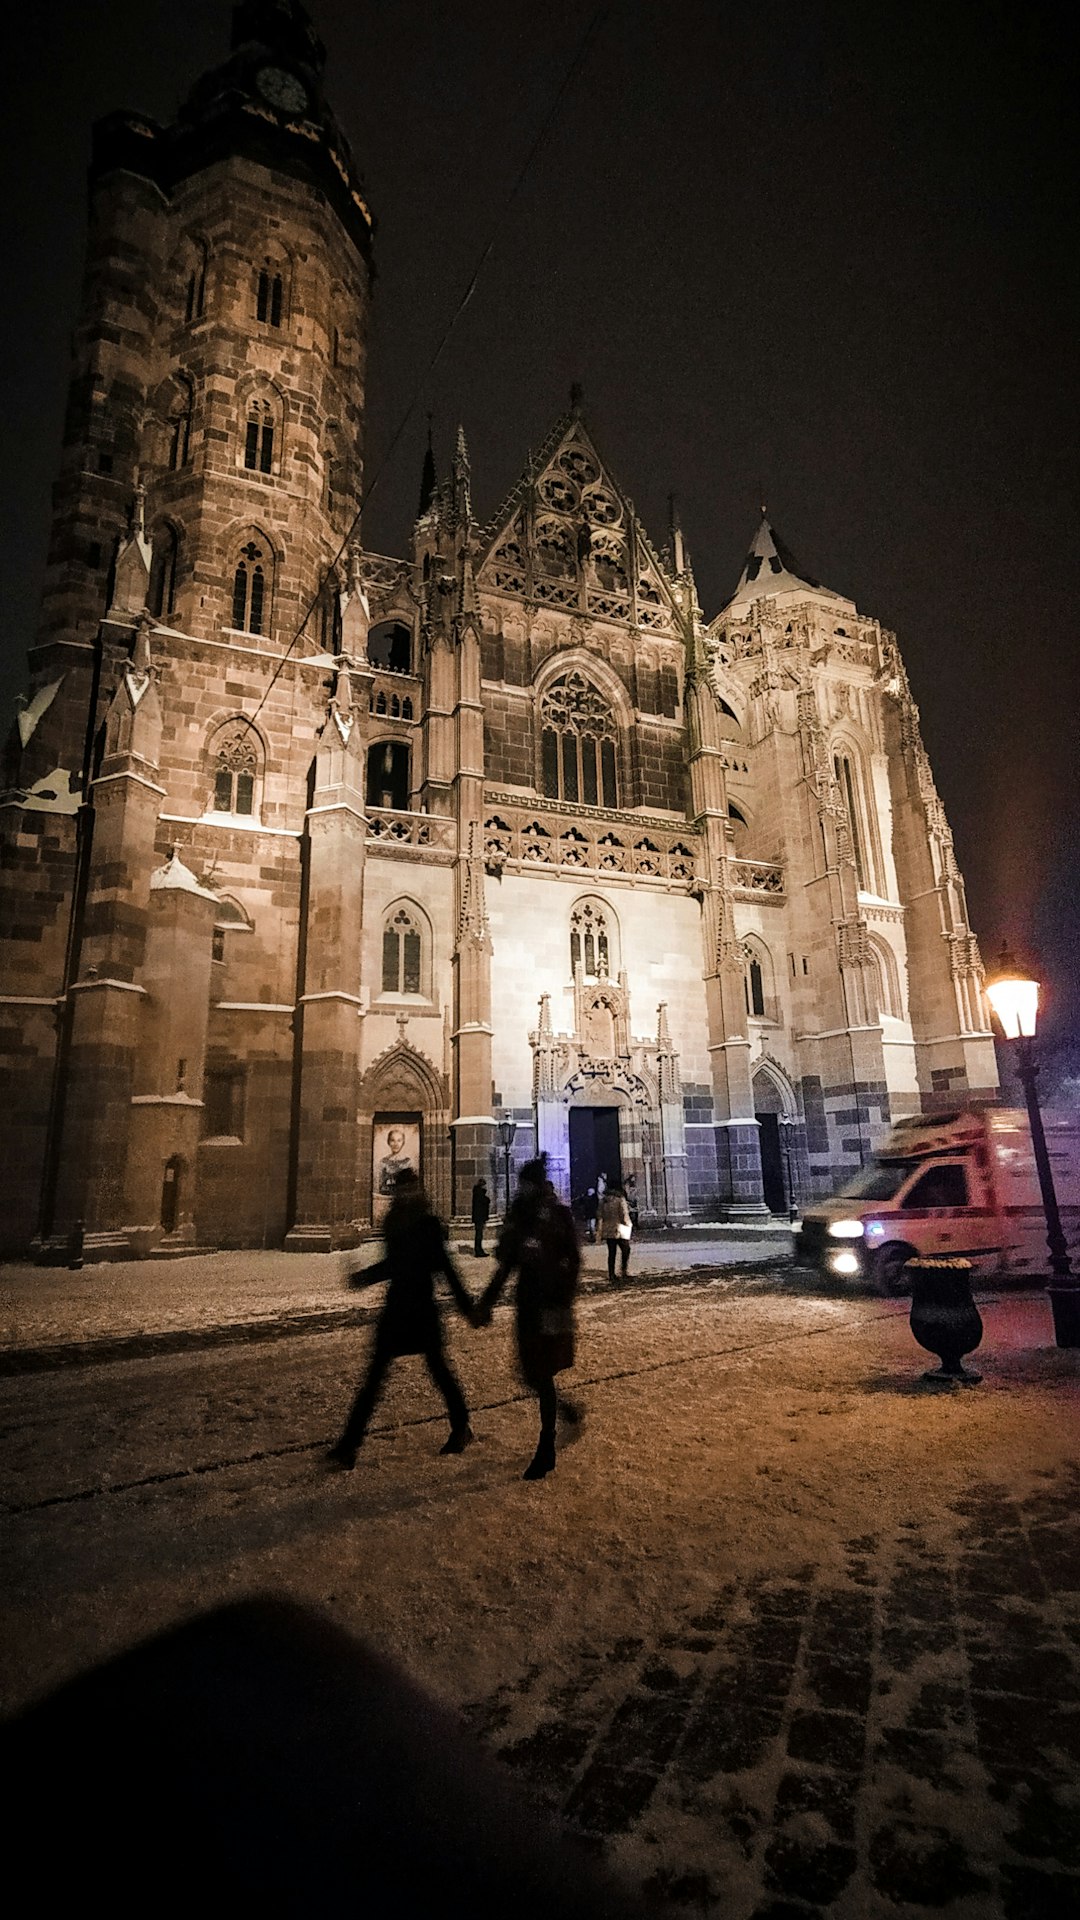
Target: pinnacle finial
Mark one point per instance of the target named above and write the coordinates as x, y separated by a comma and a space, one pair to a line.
577, 397
678, 545
140, 653
427, 476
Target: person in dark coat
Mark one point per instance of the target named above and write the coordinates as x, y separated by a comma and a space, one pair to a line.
416, 1251
481, 1208
539, 1242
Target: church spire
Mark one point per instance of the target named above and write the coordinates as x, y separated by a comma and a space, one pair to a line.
770, 569
134, 560
678, 548
355, 612
461, 476
428, 477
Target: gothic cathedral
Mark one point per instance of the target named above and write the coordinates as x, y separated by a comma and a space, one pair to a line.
318, 861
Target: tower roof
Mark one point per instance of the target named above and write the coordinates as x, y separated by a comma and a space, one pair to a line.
266, 101
771, 570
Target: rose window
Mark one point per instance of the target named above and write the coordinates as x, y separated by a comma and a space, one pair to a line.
559, 494
602, 508
577, 463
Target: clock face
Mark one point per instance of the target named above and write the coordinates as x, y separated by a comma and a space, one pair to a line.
281, 89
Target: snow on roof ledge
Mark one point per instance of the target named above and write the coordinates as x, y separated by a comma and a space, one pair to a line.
175, 876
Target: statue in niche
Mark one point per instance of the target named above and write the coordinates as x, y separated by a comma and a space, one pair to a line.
599, 1030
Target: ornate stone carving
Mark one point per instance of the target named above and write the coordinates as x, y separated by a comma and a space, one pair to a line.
572, 704
853, 943
757, 876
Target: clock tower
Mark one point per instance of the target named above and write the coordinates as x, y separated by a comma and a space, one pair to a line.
219, 364
210, 474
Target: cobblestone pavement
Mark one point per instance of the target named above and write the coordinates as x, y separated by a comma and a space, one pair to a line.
53, 1316
905, 1739
789, 1633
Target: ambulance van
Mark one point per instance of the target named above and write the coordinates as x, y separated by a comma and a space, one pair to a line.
961, 1184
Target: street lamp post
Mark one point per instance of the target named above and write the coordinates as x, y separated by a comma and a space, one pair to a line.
1014, 998
507, 1130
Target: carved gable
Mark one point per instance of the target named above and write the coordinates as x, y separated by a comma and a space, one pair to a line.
568, 536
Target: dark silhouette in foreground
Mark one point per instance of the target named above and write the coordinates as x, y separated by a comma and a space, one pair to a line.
540, 1243
416, 1251
261, 1761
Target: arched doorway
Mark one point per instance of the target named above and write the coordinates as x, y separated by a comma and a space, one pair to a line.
595, 1148
404, 1120
775, 1112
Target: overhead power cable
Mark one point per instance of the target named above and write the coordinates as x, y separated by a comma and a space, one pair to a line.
577, 60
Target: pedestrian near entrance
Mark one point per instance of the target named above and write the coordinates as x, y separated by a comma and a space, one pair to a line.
539, 1243
616, 1228
481, 1209
416, 1251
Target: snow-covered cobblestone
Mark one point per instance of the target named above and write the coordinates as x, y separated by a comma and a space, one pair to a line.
786, 1633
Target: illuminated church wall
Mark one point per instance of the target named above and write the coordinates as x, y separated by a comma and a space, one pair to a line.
302, 844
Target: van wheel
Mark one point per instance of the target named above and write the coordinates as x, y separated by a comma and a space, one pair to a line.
888, 1268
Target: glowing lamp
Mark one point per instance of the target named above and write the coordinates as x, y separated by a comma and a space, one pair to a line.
845, 1263
846, 1229
1014, 998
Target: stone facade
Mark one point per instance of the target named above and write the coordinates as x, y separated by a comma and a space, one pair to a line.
303, 844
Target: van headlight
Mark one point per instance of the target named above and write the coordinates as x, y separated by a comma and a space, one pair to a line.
846, 1229
845, 1263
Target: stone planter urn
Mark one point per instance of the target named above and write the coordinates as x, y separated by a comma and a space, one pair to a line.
944, 1317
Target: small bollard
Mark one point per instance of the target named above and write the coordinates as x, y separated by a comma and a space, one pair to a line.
1065, 1306
944, 1317
75, 1242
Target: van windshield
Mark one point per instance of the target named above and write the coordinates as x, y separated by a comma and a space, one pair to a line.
878, 1182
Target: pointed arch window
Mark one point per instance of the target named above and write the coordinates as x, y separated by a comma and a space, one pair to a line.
609, 564
388, 775
178, 426
577, 743
389, 645
590, 947
235, 761
758, 982
402, 953
161, 598
269, 295
259, 437
195, 283
847, 779
740, 830
335, 473
329, 616
886, 978
555, 551
250, 596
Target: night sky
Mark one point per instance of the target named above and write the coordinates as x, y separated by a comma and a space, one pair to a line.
819, 253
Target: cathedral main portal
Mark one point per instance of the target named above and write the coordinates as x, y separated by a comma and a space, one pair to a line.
594, 1148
